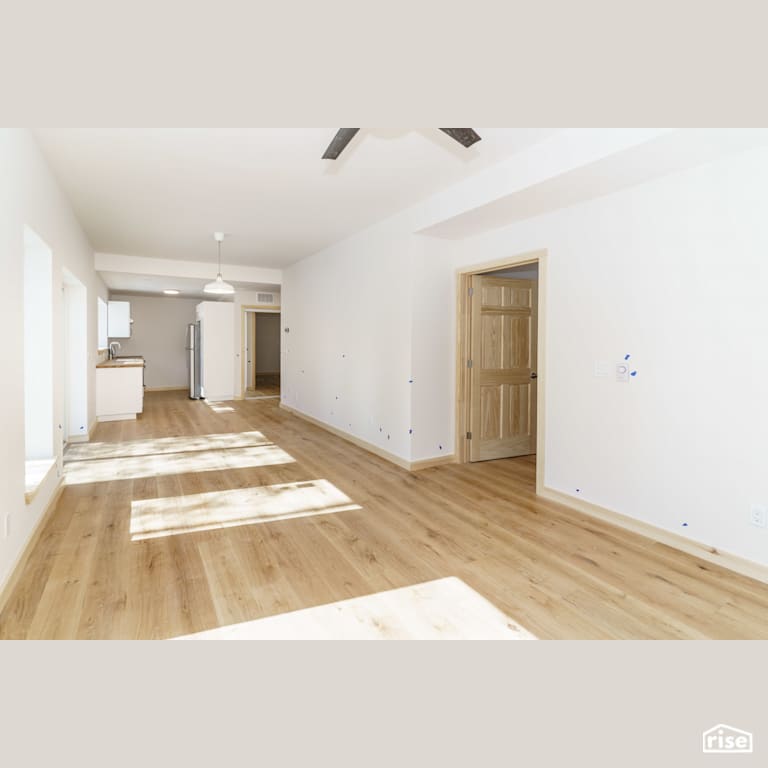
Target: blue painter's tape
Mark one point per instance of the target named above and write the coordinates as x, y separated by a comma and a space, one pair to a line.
634, 373
626, 357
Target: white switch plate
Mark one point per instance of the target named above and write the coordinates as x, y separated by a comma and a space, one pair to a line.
622, 372
758, 515
602, 368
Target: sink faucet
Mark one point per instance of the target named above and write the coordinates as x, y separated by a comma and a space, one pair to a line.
112, 351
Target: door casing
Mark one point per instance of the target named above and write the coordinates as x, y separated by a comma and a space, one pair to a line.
271, 309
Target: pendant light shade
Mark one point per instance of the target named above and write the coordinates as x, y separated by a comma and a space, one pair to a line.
218, 285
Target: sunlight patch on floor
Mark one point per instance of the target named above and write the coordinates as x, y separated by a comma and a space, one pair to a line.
444, 609
152, 518
147, 447
219, 407
132, 467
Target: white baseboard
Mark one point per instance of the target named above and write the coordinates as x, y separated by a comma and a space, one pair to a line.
78, 439
117, 417
364, 444
411, 466
703, 551
434, 461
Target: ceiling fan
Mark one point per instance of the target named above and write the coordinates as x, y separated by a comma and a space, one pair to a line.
465, 136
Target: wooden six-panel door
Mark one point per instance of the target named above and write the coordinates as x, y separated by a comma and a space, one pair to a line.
503, 368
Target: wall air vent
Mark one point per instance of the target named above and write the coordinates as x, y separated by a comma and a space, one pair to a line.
266, 298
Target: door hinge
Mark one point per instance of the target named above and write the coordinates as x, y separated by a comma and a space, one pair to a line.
471, 292
469, 435
469, 363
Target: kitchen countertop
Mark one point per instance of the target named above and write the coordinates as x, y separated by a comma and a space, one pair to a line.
128, 362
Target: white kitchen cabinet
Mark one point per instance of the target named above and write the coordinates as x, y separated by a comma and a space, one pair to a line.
119, 391
119, 319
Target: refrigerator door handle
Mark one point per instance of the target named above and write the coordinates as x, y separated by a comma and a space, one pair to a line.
194, 348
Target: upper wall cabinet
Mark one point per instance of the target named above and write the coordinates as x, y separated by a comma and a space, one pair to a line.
119, 319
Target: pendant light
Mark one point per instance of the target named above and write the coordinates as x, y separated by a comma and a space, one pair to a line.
218, 285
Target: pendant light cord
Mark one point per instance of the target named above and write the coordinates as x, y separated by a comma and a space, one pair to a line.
218, 242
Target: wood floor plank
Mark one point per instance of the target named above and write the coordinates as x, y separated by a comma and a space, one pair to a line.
552, 571
59, 608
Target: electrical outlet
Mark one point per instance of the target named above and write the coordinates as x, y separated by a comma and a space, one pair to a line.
758, 515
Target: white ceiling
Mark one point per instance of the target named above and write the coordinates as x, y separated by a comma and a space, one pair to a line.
162, 192
669, 152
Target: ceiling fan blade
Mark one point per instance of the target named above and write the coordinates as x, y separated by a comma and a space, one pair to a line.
465, 136
340, 140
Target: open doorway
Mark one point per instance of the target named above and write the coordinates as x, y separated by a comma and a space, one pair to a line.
261, 353
499, 412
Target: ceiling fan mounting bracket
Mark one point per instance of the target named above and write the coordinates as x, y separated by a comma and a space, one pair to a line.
465, 136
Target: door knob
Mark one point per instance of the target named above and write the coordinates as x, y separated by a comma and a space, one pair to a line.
534, 375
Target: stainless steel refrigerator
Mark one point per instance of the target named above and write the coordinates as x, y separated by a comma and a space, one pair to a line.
194, 360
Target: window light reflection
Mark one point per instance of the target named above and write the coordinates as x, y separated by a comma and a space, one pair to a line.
148, 446
132, 467
443, 609
151, 518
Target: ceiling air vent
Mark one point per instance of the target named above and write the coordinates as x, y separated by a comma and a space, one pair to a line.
265, 298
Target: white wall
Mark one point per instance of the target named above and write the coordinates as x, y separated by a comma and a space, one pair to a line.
267, 342
159, 334
433, 352
673, 272
75, 350
200, 270
29, 196
347, 354
38, 347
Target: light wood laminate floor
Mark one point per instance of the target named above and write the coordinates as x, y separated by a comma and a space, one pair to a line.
266, 385
199, 516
